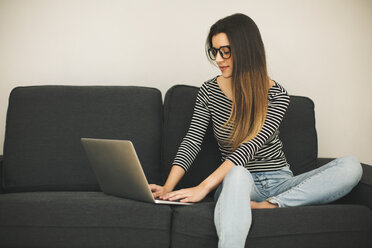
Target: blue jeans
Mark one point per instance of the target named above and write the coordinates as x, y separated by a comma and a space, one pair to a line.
323, 185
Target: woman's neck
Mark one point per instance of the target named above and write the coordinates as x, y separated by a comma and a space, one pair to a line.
225, 86
226, 81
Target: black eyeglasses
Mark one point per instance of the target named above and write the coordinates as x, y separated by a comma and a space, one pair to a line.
224, 51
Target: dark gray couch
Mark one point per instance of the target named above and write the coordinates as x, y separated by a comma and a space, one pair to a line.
50, 196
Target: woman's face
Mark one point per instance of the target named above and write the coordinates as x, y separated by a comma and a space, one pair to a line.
226, 65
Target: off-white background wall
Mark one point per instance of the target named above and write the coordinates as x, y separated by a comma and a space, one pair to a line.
317, 48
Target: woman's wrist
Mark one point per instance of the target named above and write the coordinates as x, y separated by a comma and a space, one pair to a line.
212, 182
168, 188
174, 177
205, 186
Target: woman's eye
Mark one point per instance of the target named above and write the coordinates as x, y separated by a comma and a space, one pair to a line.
225, 50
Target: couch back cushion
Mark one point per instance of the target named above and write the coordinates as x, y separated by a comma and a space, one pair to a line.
297, 133
42, 149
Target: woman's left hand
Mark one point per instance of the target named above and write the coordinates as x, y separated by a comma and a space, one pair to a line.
193, 194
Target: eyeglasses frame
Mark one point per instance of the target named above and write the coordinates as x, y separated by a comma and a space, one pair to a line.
219, 51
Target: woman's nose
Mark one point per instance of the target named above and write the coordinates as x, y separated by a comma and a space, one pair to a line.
219, 57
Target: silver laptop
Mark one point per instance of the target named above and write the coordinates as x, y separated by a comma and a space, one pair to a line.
118, 170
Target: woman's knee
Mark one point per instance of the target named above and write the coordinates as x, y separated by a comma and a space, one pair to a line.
352, 168
239, 174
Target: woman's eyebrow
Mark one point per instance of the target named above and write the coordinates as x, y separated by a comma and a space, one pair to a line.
220, 46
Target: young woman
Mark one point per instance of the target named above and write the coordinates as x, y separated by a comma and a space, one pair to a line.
246, 108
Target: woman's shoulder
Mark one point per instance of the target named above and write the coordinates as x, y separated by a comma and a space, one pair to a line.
209, 86
210, 82
277, 93
277, 89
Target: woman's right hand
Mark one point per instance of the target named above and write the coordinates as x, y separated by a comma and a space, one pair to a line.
174, 177
158, 190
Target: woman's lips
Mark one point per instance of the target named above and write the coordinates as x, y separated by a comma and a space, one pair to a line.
222, 68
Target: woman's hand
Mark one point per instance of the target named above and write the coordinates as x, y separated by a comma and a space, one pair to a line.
174, 177
193, 194
158, 191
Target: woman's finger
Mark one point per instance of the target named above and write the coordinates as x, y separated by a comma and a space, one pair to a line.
179, 196
172, 194
187, 199
154, 187
157, 194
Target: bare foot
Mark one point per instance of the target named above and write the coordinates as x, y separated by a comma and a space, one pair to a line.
262, 205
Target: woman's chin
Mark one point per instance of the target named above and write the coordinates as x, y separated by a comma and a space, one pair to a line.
226, 75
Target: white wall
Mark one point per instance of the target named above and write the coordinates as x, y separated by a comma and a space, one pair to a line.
316, 48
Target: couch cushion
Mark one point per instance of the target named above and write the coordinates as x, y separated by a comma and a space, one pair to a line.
311, 226
81, 219
42, 149
297, 133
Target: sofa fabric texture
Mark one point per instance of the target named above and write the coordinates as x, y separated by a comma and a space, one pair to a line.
45, 124
49, 196
81, 219
308, 226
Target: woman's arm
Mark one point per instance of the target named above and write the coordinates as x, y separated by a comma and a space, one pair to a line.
190, 146
191, 143
198, 193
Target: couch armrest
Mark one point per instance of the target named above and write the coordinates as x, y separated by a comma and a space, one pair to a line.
1, 173
362, 193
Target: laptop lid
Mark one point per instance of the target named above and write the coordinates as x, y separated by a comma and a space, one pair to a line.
118, 169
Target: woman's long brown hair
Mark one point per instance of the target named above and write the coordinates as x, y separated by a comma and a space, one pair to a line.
250, 80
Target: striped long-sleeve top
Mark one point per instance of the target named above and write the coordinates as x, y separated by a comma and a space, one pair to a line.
262, 153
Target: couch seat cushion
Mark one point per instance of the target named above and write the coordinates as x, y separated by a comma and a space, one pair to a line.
309, 226
81, 219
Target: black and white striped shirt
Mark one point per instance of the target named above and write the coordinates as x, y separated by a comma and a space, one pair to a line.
262, 153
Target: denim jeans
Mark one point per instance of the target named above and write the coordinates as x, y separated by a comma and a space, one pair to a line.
323, 185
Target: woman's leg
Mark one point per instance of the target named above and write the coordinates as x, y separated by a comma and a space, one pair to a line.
320, 186
232, 214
